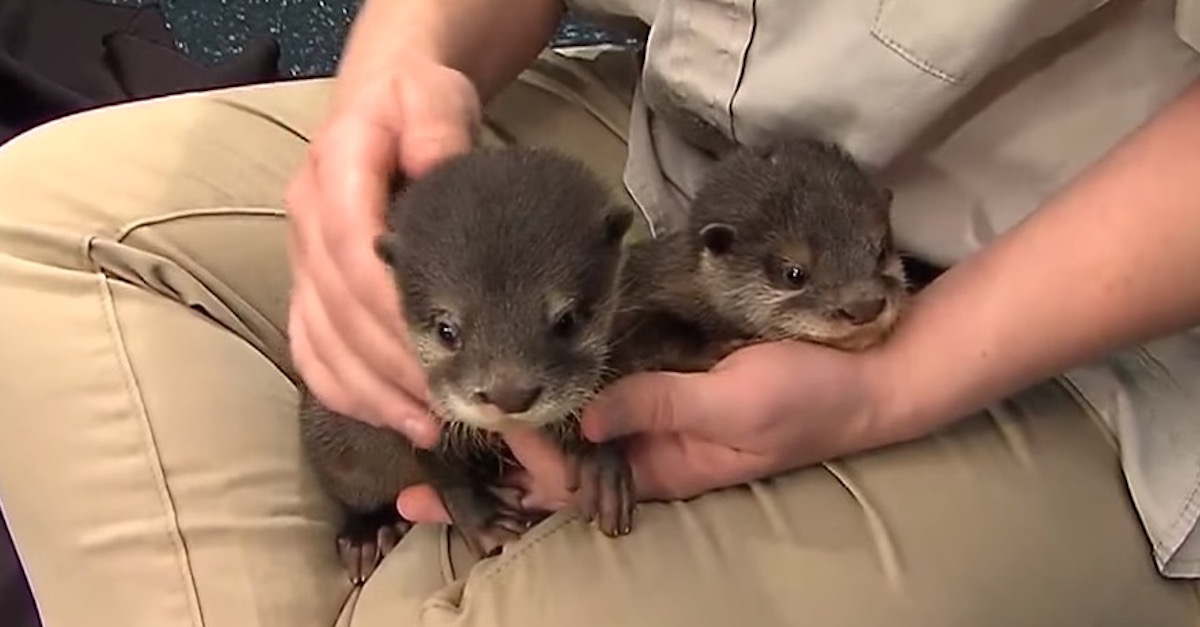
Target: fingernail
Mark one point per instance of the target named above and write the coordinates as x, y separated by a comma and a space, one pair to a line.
593, 422
420, 431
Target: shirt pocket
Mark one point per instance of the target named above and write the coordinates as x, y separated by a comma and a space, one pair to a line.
959, 42
1187, 22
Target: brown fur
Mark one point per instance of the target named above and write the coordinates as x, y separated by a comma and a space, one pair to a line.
507, 262
690, 298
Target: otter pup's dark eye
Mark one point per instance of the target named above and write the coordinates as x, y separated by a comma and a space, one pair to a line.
447, 333
794, 276
565, 323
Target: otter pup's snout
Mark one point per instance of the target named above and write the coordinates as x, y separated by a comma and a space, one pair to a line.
862, 311
510, 396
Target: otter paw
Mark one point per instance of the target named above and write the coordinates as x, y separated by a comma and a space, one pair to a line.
603, 486
487, 521
487, 539
511, 504
362, 546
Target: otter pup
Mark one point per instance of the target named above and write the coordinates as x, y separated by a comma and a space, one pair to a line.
791, 241
507, 263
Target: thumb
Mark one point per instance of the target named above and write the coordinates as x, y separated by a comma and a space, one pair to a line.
653, 402
425, 144
433, 130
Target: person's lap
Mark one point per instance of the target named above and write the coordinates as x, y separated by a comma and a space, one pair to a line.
151, 473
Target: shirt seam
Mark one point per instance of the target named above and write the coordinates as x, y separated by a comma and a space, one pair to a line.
741, 69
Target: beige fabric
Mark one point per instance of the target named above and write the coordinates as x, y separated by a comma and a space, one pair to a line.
151, 475
974, 112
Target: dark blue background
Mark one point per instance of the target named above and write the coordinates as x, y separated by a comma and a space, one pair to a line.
310, 32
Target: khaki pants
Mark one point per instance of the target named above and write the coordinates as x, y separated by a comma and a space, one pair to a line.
151, 473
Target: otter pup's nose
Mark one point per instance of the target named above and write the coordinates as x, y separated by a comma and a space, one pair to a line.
863, 311
510, 398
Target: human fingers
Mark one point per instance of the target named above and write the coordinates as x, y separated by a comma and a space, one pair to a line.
376, 377
430, 138
544, 475
537, 455
439, 113
343, 383
421, 503
659, 402
676, 466
352, 171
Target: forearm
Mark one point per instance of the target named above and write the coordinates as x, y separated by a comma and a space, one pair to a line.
1108, 263
490, 41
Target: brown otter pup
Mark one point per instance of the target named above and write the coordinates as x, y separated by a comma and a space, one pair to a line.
788, 242
791, 241
507, 263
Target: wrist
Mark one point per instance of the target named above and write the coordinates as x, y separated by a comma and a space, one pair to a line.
487, 41
899, 407
366, 81
385, 39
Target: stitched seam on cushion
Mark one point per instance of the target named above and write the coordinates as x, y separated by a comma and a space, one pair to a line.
154, 459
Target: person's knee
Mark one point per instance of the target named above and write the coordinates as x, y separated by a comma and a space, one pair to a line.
974, 526
177, 195
106, 169
745, 555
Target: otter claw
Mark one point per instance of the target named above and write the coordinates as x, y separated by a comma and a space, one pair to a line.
487, 540
486, 519
361, 548
508, 497
603, 485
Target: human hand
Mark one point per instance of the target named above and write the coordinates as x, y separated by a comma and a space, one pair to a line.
347, 335
762, 410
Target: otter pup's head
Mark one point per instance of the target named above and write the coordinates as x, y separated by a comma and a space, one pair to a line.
795, 242
506, 261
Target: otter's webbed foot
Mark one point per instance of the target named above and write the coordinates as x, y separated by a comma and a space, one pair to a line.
486, 521
366, 539
602, 482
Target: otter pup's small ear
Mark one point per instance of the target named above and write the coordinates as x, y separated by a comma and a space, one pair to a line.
616, 223
386, 246
718, 237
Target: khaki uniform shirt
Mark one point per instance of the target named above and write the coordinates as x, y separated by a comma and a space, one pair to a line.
973, 112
